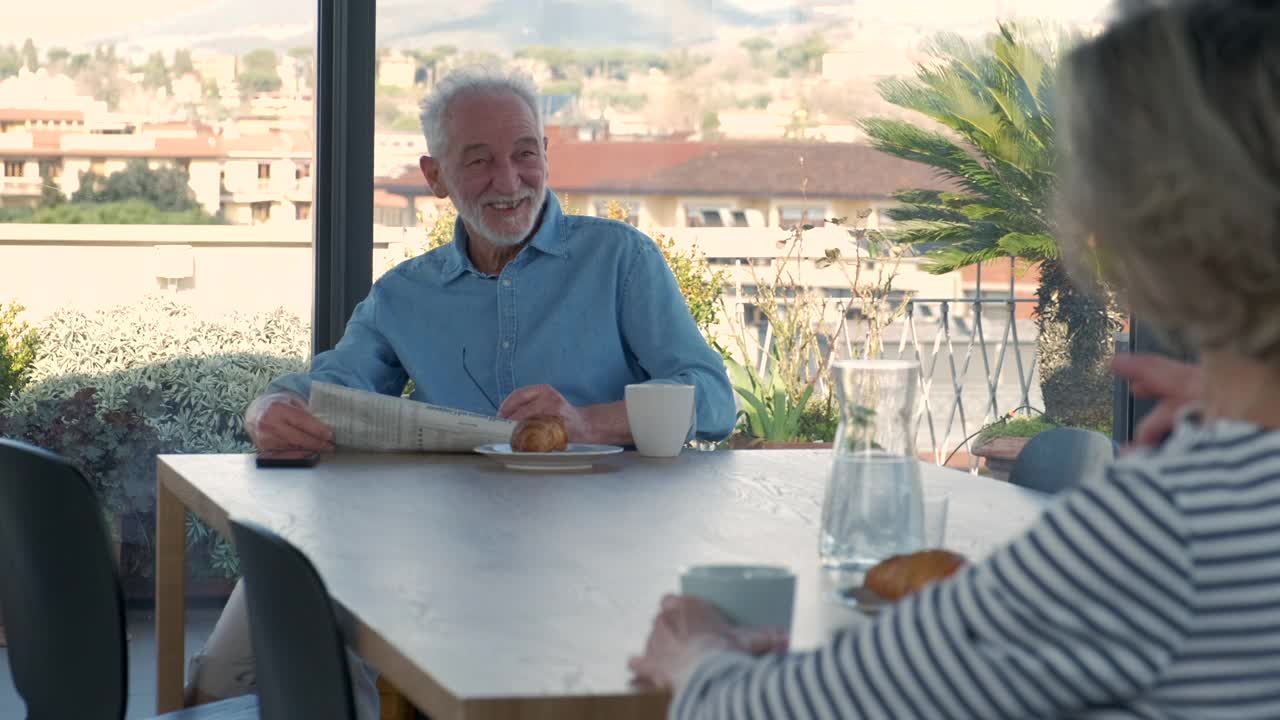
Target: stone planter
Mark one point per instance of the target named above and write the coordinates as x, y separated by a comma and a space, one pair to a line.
1000, 454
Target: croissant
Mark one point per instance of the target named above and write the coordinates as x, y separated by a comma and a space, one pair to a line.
540, 433
901, 575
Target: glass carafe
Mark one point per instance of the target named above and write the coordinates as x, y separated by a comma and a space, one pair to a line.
874, 505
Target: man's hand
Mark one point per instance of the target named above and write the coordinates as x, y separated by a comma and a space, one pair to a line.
281, 421
1176, 385
532, 400
686, 632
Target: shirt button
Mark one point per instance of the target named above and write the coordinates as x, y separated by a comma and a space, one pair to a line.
506, 344
506, 283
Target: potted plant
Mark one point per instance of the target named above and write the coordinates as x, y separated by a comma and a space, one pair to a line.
772, 417
1000, 442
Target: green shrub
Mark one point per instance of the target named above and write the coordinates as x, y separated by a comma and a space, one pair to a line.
115, 448
198, 374
1026, 427
18, 343
819, 420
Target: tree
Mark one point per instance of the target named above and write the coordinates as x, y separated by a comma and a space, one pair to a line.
306, 58
79, 61
10, 61
710, 125
182, 64
50, 193
100, 75
258, 73
30, 56
756, 47
127, 212
155, 74
164, 188
995, 98
806, 55
57, 55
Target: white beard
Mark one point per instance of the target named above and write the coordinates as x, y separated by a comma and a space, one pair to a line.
473, 215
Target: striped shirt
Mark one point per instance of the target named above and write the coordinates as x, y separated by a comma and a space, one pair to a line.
1150, 592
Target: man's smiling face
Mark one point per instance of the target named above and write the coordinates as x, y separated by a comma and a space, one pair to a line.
496, 166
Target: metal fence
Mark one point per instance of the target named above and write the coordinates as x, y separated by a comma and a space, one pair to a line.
975, 367
977, 363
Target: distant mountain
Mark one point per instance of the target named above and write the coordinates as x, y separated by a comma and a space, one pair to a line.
494, 25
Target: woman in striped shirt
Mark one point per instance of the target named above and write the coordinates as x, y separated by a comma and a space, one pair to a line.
1152, 591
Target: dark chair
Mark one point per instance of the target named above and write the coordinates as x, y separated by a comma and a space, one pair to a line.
63, 607
301, 658
1058, 459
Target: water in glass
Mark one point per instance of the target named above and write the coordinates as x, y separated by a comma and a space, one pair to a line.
874, 502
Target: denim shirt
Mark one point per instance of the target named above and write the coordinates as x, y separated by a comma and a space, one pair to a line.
588, 307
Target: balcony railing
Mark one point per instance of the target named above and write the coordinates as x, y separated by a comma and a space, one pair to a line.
24, 186
965, 367
977, 364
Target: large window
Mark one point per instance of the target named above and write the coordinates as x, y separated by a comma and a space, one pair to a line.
133, 139
742, 138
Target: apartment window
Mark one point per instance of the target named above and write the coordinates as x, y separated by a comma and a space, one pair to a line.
261, 212
302, 211
50, 168
707, 216
14, 168
98, 166
264, 175
302, 171
799, 215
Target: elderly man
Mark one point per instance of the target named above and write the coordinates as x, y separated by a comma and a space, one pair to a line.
529, 311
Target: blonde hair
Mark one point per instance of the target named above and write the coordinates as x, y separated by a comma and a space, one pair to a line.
1169, 128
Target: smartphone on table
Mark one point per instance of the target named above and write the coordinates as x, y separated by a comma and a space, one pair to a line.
287, 458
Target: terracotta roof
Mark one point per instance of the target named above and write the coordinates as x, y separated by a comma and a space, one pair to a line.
51, 144
199, 146
35, 114
408, 182
753, 169
270, 143
773, 169
384, 199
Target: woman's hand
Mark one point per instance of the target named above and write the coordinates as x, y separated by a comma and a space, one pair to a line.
687, 631
1175, 385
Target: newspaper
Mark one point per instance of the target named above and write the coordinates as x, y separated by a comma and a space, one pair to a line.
368, 421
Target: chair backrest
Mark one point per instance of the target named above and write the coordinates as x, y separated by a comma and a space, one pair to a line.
1058, 459
59, 592
298, 648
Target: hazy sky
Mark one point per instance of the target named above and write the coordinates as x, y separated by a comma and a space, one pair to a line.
75, 22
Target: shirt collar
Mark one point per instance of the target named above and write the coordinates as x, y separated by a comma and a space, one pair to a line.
550, 239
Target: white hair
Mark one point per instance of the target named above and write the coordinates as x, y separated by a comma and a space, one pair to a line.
1169, 126
472, 80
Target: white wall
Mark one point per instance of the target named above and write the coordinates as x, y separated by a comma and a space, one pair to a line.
46, 267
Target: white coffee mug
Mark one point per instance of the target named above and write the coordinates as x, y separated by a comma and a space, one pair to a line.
661, 416
753, 596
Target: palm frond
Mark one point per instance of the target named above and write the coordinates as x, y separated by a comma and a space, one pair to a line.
997, 97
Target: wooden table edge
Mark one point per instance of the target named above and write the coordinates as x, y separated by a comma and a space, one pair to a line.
174, 496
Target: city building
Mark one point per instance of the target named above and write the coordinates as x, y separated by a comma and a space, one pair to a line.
397, 71
219, 67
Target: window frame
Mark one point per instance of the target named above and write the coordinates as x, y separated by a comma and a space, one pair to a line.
342, 210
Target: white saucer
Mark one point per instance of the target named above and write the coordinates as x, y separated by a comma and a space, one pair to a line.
578, 456
860, 599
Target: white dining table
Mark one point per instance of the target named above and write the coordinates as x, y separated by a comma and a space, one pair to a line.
483, 592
